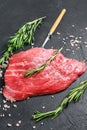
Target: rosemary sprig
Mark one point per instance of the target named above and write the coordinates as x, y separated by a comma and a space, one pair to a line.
37, 70
74, 95
25, 35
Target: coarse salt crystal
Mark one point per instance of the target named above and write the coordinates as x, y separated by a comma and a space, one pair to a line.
6, 106
72, 44
43, 107
17, 124
1, 92
71, 36
85, 28
2, 115
64, 42
80, 37
58, 33
19, 121
73, 25
85, 42
67, 49
9, 115
76, 44
42, 123
4, 101
32, 44
0, 75
9, 124
14, 105
34, 127
52, 96
4, 109
63, 38
78, 47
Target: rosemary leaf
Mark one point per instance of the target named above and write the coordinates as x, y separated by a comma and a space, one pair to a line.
25, 35
74, 95
37, 70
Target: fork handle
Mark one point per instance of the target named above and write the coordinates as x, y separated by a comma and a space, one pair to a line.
58, 20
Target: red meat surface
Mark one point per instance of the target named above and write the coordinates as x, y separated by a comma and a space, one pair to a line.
57, 76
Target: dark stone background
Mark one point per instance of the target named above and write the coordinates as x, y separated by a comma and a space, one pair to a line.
13, 14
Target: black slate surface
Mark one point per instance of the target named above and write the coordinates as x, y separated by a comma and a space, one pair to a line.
73, 33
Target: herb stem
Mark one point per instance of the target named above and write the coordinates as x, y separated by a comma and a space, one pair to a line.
25, 35
74, 95
37, 70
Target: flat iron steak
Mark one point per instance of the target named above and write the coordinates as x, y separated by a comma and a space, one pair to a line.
57, 76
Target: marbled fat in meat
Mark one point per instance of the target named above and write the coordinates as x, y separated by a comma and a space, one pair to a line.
57, 76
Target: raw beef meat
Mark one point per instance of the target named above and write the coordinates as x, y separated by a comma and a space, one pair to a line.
57, 76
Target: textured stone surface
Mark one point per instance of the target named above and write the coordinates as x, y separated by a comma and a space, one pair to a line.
13, 14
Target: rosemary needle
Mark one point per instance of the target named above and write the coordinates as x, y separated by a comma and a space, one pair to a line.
25, 35
74, 95
37, 70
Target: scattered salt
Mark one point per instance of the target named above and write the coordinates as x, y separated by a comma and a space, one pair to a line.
14, 105
19, 121
73, 42
85, 42
78, 47
34, 127
64, 42
9, 115
43, 107
1, 92
2, 115
6, 106
42, 123
80, 37
4, 101
9, 124
67, 49
71, 36
63, 39
85, 28
73, 25
17, 124
32, 44
76, 38
85, 45
76, 44
4, 109
52, 96
58, 33
0, 73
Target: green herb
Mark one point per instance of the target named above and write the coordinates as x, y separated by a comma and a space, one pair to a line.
74, 95
25, 35
37, 70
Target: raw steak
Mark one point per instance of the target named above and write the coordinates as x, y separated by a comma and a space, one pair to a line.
57, 76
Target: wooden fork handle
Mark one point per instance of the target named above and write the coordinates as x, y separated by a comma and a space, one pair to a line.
58, 20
